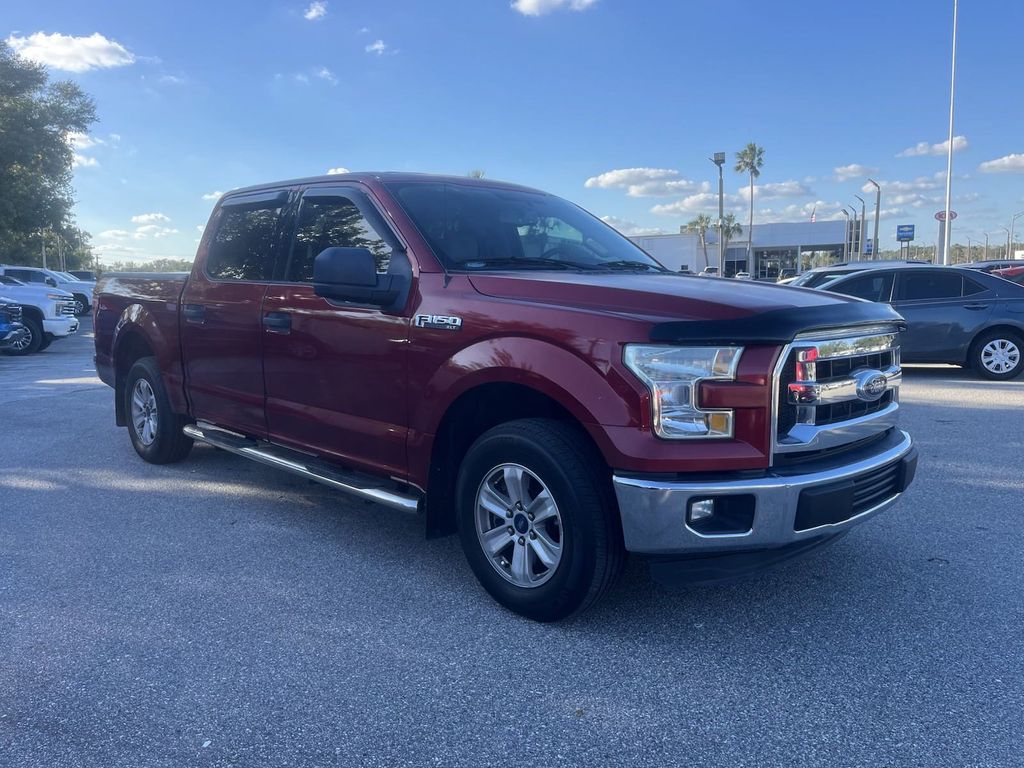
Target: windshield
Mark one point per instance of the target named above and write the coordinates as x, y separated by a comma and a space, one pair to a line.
66, 276
482, 228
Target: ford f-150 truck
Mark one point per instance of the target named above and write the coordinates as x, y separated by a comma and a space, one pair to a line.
511, 368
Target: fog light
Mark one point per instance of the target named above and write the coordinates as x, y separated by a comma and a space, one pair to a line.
701, 509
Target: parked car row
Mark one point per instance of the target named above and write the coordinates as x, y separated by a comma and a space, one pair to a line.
39, 307
955, 315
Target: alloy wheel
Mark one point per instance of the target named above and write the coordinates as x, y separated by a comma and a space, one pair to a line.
144, 412
518, 525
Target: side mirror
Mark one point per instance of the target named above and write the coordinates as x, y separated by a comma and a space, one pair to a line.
51, 282
350, 274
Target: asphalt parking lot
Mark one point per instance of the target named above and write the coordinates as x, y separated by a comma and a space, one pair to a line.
217, 613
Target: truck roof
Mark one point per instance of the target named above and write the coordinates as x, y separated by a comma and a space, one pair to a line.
386, 176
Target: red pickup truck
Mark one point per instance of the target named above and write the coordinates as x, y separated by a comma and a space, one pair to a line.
506, 365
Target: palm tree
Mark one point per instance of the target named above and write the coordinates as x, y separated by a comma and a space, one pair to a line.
750, 160
700, 225
730, 229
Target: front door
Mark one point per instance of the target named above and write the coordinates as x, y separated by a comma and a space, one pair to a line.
221, 326
944, 311
335, 373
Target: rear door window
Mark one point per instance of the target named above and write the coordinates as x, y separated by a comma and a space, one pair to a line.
245, 244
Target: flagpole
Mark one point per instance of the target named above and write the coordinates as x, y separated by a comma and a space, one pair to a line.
949, 149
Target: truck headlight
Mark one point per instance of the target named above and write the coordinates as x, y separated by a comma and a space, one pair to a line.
672, 375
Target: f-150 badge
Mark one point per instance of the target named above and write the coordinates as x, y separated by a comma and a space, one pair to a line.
439, 322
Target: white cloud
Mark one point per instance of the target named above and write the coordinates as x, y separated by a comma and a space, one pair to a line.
920, 184
114, 233
630, 228
149, 218
377, 46
215, 195
698, 203
83, 140
171, 80
772, 191
325, 74
83, 161
200, 228
853, 171
152, 230
364, 30
541, 7
1013, 163
336, 171
316, 10
645, 182
301, 78
924, 148
71, 54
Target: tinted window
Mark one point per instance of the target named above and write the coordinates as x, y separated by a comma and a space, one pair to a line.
245, 244
480, 228
332, 222
875, 286
927, 284
971, 287
26, 275
813, 279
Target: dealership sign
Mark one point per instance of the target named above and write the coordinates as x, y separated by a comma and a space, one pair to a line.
905, 233
941, 215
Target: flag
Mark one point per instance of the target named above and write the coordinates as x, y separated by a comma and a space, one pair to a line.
813, 212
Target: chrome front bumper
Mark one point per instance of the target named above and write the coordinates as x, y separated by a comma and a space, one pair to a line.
654, 510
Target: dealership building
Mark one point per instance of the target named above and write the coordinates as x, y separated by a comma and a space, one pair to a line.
774, 247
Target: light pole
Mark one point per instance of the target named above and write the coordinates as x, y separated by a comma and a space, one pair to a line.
846, 236
949, 148
860, 245
1007, 231
984, 254
878, 206
719, 160
1013, 220
969, 250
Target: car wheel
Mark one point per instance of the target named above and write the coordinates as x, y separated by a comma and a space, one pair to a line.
998, 355
81, 304
155, 430
47, 341
30, 343
538, 520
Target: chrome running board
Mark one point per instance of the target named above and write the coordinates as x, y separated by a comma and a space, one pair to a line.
354, 483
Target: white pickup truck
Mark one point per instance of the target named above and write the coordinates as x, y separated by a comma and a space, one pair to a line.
47, 314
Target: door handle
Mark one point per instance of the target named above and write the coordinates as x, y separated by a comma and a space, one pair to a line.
277, 322
194, 313
976, 306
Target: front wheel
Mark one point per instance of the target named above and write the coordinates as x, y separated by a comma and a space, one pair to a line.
81, 304
29, 343
154, 429
998, 355
538, 520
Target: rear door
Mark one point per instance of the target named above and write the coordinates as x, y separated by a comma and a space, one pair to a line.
221, 327
944, 310
335, 373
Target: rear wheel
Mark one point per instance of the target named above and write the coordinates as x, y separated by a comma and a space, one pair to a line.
998, 355
29, 343
154, 429
538, 520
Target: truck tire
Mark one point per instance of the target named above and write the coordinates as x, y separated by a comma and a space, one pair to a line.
998, 355
47, 341
32, 343
155, 430
81, 304
538, 520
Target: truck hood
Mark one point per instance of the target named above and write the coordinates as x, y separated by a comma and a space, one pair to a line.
32, 292
683, 307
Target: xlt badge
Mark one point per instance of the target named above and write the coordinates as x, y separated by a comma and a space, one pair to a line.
439, 322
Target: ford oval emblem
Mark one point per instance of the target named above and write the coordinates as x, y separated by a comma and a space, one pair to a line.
871, 385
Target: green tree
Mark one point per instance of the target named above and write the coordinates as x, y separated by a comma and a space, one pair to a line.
36, 118
750, 160
730, 229
700, 225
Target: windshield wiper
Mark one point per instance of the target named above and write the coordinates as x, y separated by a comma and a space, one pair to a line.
525, 262
629, 264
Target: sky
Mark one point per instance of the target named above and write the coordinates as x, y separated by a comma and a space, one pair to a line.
614, 104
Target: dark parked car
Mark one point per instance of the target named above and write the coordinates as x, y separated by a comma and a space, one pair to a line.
1013, 274
815, 278
954, 315
83, 274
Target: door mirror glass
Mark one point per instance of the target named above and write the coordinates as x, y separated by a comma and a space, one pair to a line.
350, 274
51, 282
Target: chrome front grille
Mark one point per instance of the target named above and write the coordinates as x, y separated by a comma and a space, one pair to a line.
12, 312
66, 308
837, 388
